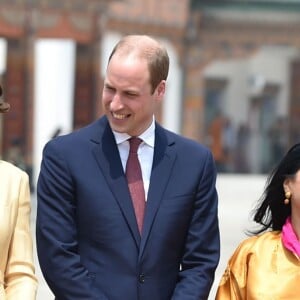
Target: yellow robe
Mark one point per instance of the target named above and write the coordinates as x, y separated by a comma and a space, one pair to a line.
261, 269
17, 278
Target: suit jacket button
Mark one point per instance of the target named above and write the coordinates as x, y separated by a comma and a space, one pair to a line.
142, 278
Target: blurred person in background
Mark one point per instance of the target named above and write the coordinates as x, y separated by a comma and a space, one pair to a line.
216, 141
92, 243
266, 265
17, 272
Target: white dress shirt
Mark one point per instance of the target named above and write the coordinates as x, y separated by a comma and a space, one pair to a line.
145, 152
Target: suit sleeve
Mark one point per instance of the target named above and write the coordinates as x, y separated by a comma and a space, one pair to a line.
20, 280
202, 248
56, 232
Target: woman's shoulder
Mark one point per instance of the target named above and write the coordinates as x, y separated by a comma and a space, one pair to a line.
255, 243
262, 238
10, 169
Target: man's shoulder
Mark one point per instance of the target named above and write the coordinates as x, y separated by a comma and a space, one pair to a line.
186, 143
180, 138
78, 137
85, 132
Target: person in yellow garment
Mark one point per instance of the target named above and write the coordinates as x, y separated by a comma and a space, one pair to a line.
17, 273
266, 265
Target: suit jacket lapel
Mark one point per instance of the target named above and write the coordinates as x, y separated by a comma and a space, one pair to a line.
163, 160
108, 159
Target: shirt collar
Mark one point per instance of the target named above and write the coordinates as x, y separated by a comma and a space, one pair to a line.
147, 136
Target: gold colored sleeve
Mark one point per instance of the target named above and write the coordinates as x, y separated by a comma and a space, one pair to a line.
233, 282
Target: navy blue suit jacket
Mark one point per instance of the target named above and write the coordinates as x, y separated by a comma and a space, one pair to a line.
88, 242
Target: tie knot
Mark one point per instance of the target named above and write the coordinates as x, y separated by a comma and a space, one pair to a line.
134, 143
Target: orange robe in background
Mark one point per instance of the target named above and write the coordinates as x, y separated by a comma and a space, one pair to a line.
216, 134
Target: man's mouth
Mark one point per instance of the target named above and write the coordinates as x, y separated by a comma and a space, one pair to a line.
120, 116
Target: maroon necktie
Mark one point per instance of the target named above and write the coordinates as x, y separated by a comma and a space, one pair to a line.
135, 181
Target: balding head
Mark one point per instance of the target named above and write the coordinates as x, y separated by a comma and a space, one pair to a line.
145, 47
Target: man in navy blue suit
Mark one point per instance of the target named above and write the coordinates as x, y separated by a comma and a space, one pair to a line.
88, 240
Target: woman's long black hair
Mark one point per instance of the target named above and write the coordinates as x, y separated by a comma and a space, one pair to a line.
271, 212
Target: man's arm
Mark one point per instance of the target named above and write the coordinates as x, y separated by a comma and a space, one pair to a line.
202, 249
56, 231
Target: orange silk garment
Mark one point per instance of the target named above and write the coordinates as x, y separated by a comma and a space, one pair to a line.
261, 269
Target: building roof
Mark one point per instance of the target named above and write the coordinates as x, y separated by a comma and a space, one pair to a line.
273, 5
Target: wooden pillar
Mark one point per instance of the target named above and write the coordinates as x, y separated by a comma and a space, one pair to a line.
88, 81
83, 96
14, 125
294, 106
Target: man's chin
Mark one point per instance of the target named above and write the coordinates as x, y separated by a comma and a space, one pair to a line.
118, 129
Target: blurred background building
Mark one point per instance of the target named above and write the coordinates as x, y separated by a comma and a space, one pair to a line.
234, 81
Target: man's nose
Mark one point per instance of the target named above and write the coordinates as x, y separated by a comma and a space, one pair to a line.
116, 102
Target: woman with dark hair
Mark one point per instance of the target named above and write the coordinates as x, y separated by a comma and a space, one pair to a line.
17, 278
267, 264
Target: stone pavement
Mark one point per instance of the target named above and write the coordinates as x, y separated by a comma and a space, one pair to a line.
43, 292
237, 195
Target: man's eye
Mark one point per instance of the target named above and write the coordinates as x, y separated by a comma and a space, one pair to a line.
130, 94
109, 88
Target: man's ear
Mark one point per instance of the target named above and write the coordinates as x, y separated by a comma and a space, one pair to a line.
161, 89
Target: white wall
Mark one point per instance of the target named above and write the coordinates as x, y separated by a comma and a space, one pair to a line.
272, 65
171, 109
53, 91
247, 77
235, 72
3, 52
